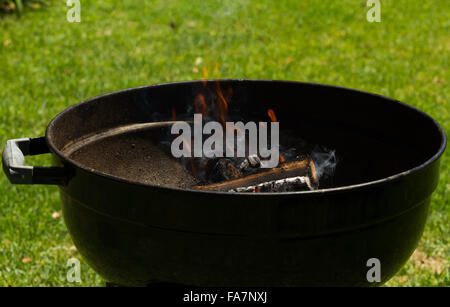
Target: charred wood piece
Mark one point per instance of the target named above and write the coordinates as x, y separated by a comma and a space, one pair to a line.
286, 170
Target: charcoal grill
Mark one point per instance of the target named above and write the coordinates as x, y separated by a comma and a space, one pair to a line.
135, 219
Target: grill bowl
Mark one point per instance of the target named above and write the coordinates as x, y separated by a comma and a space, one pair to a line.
134, 224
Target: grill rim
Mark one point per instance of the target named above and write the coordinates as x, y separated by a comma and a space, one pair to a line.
329, 191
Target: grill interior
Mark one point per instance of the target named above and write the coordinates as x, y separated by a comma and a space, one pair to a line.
369, 142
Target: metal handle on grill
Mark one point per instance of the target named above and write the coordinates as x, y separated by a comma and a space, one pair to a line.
18, 173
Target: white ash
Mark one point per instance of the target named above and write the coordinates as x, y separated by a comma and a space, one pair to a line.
299, 183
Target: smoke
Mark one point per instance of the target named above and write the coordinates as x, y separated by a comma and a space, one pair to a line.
325, 161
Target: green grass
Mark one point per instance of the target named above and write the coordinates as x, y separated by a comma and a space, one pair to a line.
48, 64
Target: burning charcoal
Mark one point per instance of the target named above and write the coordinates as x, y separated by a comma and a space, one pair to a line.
224, 170
251, 161
299, 183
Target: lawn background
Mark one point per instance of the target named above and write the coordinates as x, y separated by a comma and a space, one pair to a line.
48, 64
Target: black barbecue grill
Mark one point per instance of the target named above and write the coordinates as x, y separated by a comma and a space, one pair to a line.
137, 215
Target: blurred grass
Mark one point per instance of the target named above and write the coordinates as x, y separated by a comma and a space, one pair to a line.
17, 6
47, 64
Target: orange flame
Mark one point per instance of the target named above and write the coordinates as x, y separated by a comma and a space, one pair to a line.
205, 75
222, 104
273, 118
272, 115
174, 113
200, 105
186, 144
